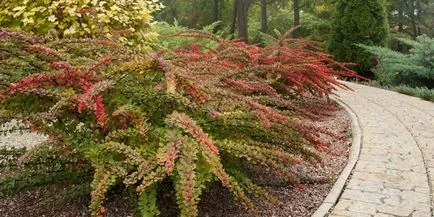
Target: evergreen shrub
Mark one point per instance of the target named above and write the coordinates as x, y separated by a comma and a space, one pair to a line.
415, 68
358, 22
421, 92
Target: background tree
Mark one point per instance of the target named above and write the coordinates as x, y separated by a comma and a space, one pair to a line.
264, 16
193, 13
356, 22
257, 17
242, 18
411, 17
427, 18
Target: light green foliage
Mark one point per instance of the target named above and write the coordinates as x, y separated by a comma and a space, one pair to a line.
166, 35
315, 28
191, 13
125, 20
186, 184
415, 68
147, 202
358, 22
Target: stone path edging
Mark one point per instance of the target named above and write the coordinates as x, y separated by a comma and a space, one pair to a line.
338, 188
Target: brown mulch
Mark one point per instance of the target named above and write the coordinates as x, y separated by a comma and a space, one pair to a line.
218, 202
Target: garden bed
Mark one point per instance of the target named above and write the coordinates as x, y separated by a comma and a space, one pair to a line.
300, 201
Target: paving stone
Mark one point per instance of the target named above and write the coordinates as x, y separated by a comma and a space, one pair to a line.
392, 200
343, 204
383, 215
367, 197
391, 191
365, 185
395, 210
396, 163
415, 196
362, 207
340, 212
421, 214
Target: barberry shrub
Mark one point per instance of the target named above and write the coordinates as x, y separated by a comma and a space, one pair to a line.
125, 20
192, 116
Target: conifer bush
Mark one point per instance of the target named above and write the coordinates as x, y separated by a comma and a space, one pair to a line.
358, 22
421, 92
192, 115
125, 20
414, 68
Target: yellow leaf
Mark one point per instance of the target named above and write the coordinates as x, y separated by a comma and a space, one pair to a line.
19, 8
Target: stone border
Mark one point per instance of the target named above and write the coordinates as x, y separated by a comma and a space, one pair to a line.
336, 192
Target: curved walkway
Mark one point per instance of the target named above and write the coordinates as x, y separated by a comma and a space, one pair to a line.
395, 171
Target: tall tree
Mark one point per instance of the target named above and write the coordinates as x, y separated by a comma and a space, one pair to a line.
358, 22
234, 18
242, 12
216, 10
264, 17
412, 17
296, 8
401, 15
427, 17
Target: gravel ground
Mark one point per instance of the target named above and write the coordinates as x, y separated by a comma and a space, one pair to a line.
295, 202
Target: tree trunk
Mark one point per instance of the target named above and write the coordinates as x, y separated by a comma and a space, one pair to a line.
234, 18
413, 19
216, 14
401, 16
243, 6
296, 6
216, 11
419, 16
264, 22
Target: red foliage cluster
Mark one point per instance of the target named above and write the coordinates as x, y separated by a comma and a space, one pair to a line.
244, 72
8, 35
296, 63
85, 81
43, 49
169, 159
232, 69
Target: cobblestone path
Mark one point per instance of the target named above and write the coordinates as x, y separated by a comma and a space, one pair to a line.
395, 171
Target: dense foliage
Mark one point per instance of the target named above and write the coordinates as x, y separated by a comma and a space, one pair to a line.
407, 18
124, 20
262, 16
420, 92
415, 68
192, 117
357, 22
411, 17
